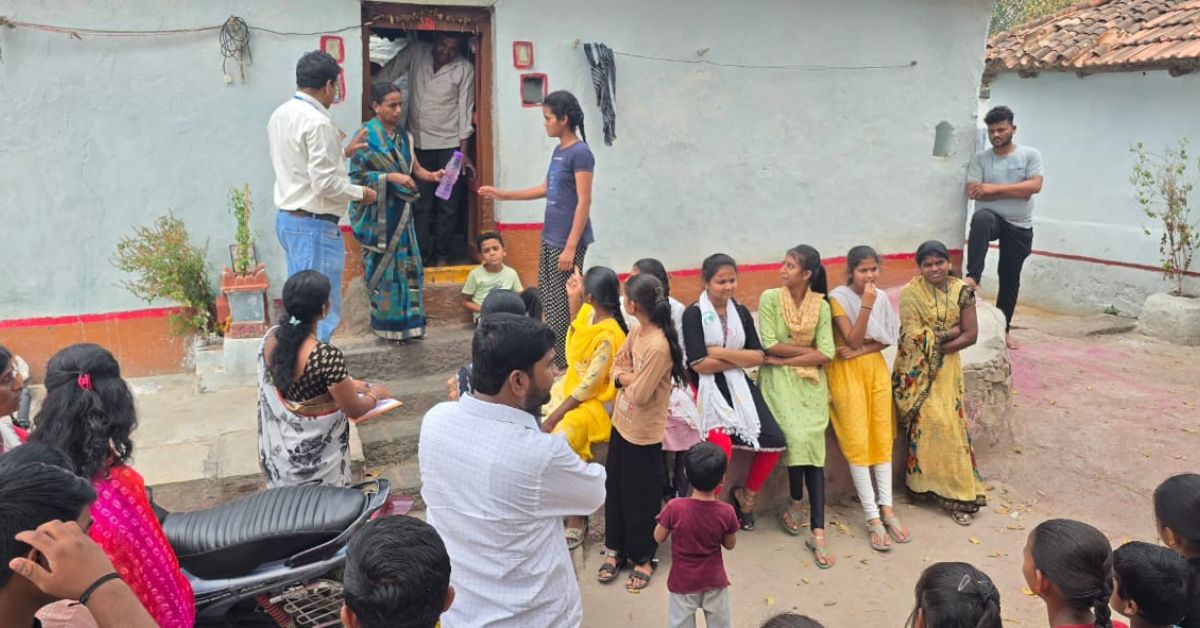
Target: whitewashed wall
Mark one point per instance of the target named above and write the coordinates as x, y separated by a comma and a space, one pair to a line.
1084, 128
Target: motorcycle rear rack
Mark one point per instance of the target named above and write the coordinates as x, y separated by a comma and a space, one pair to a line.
314, 605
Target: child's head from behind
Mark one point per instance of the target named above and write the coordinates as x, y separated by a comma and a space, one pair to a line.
1177, 511
955, 594
791, 620
397, 574
1070, 563
704, 465
491, 248
651, 266
1150, 582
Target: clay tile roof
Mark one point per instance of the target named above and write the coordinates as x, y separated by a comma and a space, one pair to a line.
1103, 35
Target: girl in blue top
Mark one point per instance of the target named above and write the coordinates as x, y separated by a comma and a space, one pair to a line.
567, 227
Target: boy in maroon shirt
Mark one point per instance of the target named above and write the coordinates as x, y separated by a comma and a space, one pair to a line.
701, 526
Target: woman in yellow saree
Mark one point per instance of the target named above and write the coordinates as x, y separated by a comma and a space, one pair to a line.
937, 321
578, 407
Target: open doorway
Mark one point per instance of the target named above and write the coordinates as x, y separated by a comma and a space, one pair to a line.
389, 29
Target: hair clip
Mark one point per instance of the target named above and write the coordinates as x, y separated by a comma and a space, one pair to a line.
84, 381
294, 322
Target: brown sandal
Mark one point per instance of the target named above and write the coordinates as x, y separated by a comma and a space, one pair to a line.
638, 580
744, 498
610, 570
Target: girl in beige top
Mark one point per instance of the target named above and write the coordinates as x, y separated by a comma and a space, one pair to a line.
643, 371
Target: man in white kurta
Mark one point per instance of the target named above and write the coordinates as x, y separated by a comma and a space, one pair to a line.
497, 487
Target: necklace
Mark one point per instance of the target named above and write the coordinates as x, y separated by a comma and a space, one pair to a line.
938, 312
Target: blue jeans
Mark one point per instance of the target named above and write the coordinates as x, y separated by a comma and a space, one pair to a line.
314, 244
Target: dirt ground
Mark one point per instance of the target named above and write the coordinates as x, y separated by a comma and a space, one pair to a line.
1100, 419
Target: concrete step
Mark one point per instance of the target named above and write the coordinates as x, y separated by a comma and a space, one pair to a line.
443, 351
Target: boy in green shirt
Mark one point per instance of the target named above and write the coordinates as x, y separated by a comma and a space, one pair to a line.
489, 275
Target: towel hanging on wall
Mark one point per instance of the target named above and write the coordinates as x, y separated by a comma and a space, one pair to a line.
604, 79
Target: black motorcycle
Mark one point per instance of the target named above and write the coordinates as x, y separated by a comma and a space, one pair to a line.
274, 557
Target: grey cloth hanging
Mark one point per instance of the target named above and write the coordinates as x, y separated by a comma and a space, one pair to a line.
604, 79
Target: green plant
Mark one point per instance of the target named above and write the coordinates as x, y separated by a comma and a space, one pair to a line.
166, 266
1009, 13
1162, 183
1112, 310
243, 239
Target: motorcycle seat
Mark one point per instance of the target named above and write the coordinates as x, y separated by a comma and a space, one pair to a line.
234, 539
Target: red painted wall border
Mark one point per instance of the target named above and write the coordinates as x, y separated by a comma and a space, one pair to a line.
518, 226
51, 321
1102, 262
77, 319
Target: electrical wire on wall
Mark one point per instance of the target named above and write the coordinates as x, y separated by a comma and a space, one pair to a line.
233, 36
235, 44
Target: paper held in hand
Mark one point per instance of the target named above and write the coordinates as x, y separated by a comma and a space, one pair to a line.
384, 405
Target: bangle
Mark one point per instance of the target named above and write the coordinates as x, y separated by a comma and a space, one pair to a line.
864, 307
87, 593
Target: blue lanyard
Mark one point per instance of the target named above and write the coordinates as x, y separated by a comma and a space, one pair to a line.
306, 101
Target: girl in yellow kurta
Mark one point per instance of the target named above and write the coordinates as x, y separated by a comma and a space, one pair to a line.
577, 401
937, 320
860, 391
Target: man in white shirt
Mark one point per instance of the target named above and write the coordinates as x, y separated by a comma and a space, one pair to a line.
442, 99
497, 487
312, 187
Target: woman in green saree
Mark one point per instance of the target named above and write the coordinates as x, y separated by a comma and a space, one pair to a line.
391, 257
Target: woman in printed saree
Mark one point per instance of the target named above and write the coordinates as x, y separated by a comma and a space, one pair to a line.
937, 321
391, 256
579, 402
797, 336
89, 414
305, 393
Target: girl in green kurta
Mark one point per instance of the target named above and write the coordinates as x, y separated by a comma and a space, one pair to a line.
797, 335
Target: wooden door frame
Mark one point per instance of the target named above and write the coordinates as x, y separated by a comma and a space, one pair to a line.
476, 20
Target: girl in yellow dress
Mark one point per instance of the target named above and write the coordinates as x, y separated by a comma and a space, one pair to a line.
577, 407
860, 391
937, 321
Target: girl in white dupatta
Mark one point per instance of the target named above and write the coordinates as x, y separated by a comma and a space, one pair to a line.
865, 323
720, 342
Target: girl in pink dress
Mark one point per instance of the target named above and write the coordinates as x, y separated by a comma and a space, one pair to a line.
89, 414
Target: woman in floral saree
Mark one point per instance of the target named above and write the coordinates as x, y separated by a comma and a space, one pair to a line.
937, 321
391, 256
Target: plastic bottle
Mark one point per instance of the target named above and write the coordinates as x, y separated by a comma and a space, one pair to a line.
450, 177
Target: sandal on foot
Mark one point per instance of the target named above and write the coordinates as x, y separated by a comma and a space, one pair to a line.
742, 497
638, 580
876, 530
896, 530
575, 536
792, 522
961, 518
610, 570
821, 556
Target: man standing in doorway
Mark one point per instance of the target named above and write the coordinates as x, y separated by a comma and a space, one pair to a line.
441, 100
1002, 181
312, 187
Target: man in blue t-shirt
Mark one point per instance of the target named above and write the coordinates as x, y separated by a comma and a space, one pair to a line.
1002, 181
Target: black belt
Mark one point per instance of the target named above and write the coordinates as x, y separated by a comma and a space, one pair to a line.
305, 214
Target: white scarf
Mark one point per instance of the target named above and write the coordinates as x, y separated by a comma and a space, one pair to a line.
883, 326
741, 419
